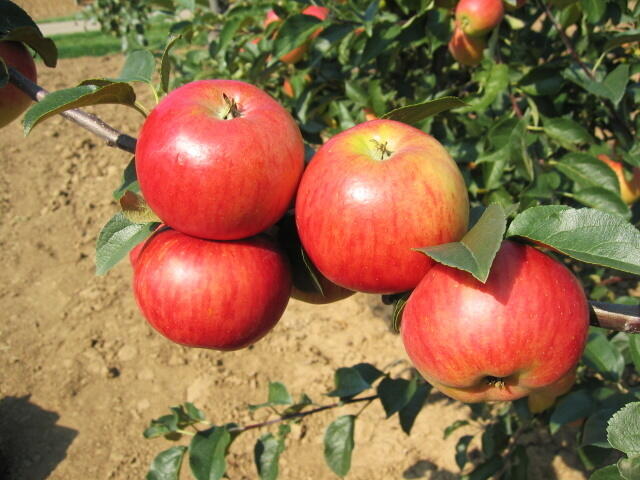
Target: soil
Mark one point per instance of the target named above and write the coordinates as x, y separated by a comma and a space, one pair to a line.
43, 9
83, 373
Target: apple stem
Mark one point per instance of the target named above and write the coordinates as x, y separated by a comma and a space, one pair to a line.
86, 120
382, 149
233, 111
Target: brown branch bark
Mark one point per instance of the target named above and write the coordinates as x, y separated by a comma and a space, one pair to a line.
622, 318
90, 122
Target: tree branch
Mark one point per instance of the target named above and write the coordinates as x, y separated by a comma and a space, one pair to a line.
302, 414
622, 318
90, 122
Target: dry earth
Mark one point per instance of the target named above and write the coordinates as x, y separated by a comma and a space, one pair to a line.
82, 373
42, 9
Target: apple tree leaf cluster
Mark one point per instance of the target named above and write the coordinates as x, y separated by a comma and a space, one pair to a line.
356, 386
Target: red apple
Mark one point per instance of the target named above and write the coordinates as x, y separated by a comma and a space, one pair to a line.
544, 398
369, 196
629, 189
465, 49
13, 101
477, 17
210, 294
521, 332
219, 159
304, 287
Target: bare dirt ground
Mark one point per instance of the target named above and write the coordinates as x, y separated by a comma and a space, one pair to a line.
82, 373
42, 9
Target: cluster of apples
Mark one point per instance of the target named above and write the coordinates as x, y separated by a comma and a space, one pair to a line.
474, 19
221, 162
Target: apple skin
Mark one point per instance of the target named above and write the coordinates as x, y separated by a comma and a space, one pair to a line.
214, 178
359, 217
465, 49
544, 398
295, 55
629, 189
304, 288
478, 17
211, 294
526, 327
13, 101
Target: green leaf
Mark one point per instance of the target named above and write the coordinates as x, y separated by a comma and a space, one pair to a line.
138, 67
278, 394
161, 426
623, 431
266, 455
383, 37
609, 472
612, 87
338, 444
293, 32
494, 439
229, 30
398, 308
603, 356
194, 413
207, 453
77, 97
348, 382
368, 372
620, 39
602, 199
461, 450
477, 249
594, 9
453, 427
167, 464
415, 113
115, 240
136, 209
129, 181
634, 350
300, 405
587, 171
17, 25
574, 406
165, 64
395, 393
410, 411
594, 431
567, 132
630, 467
495, 84
586, 234
616, 82
486, 469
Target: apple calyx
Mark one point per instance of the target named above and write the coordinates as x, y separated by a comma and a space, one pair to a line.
233, 109
495, 382
382, 149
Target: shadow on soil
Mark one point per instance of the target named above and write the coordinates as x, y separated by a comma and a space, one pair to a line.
31, 444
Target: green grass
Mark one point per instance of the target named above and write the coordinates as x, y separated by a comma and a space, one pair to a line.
96, 44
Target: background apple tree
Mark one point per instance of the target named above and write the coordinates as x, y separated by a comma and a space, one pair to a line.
558, 85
